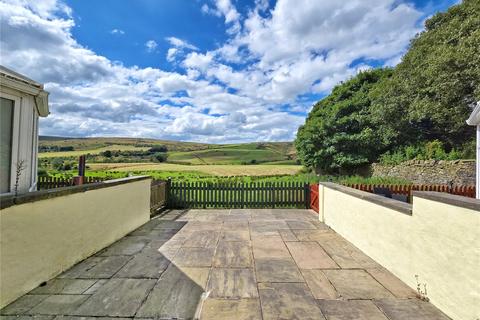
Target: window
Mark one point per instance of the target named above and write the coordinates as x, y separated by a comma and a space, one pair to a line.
6, 137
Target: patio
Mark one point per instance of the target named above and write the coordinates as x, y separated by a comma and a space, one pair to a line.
227, 264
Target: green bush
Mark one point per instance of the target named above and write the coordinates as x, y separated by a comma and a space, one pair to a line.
160, 157
433, 150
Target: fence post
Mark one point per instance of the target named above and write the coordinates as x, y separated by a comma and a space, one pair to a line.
306, 187
168, 199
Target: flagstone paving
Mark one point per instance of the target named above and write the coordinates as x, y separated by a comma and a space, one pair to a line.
226, 264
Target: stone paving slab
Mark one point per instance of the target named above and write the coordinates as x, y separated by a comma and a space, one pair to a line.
266, 247
235, 225
105, 267
64, 286
59, 304
145, 265
412, 309
197, 275
27, 317
309, 255
351, 310
226, 264
299, 224
314, 235
117, 298
288, 301
125, 247
277, 270
319, 284
229, 283
97, 285
194, 257
235, 235
202, 239
287, 235
240, 309
175, 296
346, 255
356, 284
23, 304
236, 254
392, 283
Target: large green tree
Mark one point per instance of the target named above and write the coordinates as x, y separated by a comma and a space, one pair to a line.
339, 134
427, 97
432, 90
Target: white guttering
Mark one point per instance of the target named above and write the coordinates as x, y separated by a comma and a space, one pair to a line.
16, 81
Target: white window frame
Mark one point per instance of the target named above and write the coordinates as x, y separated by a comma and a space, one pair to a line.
17, 100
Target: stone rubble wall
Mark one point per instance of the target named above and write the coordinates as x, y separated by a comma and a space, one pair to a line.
456, 172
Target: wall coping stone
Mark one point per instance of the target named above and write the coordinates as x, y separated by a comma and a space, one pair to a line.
396, 205
12, 200
452, 199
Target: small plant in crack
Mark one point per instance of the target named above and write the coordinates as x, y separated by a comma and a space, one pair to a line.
421, 293
18, 172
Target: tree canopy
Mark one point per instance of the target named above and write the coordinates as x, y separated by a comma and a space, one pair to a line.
339, 132
427, 97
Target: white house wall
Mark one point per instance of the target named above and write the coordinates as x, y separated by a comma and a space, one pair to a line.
25, 127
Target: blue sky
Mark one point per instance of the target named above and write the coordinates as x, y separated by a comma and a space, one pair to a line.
199, 70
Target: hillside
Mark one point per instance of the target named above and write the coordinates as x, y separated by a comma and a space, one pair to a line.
189, 153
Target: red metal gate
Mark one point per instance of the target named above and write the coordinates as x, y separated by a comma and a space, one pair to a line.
314, 197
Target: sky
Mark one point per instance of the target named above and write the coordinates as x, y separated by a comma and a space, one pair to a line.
216, 71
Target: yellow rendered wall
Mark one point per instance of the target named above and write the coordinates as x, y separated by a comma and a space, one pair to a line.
439, 242
39, 240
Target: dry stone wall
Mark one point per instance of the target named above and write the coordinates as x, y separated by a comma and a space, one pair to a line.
457, 172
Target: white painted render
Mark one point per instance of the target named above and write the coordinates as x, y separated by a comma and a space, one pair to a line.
30, 102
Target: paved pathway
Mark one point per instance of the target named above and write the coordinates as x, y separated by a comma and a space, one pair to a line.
226, 264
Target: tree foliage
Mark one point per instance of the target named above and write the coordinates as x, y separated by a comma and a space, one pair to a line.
427, 97
430, 93
339, 132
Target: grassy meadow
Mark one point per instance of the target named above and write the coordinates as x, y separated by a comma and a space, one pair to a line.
185, 161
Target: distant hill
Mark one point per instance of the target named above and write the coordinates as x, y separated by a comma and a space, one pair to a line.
178, 151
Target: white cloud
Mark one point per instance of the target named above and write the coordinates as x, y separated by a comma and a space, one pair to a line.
151, 45
171, 53
226, 9
198, 60
237, 92
117, 31
179, 47
179, 43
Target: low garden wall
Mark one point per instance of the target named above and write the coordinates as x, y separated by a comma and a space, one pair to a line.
457, 172
46, 232
435, 238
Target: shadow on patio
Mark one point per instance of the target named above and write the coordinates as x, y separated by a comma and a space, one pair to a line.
251, 264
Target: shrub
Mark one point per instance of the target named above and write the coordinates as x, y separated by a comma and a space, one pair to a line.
159, 148
160, 157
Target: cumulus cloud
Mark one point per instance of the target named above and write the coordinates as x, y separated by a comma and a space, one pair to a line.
224, 8
179, 43
179, 47
151, 45
252, 87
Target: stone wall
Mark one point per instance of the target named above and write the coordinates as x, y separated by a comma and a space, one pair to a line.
457, 172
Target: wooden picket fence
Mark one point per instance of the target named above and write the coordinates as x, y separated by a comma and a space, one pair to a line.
466, 191
44, 183
158, 195
238, 195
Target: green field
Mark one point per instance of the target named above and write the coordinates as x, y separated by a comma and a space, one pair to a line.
76, 153
190, 162
214, 170
177, 152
